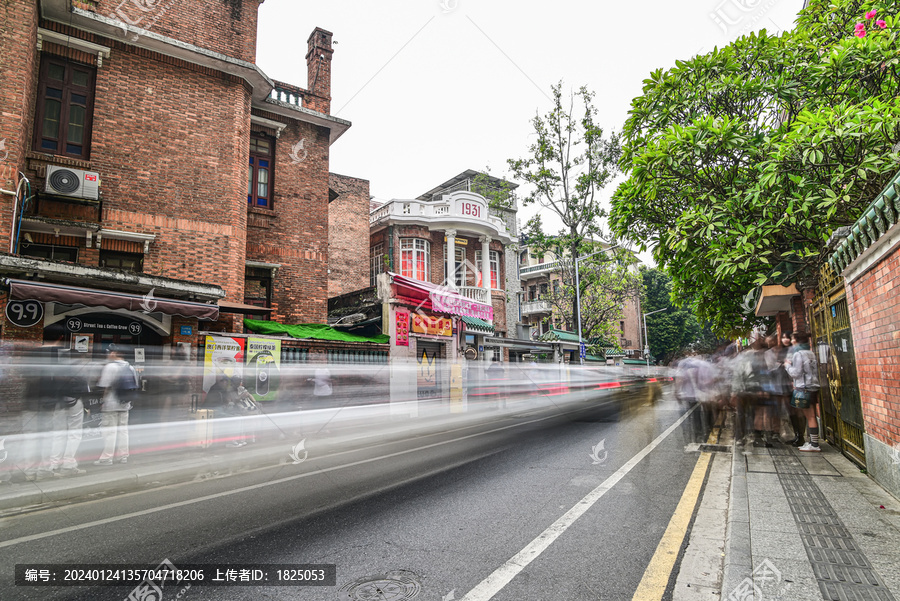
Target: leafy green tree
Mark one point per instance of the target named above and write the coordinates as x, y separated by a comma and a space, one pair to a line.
608, 281
743, 161
670, 332
567, 166
497, 191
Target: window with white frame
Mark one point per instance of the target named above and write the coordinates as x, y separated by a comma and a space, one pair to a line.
459, 267
495, 268
415, 258
376, 263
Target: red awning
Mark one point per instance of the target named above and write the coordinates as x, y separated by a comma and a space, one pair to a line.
88, 297
439, 298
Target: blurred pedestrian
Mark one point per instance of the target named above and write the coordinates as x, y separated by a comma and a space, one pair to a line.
322, 381
115, 408
801, 366
38, 400
747, 392
67, 419
225, 400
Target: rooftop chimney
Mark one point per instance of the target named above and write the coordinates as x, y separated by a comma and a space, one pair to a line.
318, 66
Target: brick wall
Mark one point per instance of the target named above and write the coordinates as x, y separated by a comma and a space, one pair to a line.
224, 26
294, 232
318, 67
18, 32
167, 166
348, 235
874, 302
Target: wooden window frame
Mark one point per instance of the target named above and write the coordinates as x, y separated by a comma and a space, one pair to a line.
68, 88
253, 198
105, 255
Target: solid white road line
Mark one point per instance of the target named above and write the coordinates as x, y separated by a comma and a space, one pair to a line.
494, 583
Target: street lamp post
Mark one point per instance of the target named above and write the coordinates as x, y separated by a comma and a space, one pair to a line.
578, 294
647, 337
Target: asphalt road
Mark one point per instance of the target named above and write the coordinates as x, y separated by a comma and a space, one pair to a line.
437, 517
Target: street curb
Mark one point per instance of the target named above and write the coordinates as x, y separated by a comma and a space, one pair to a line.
738, 563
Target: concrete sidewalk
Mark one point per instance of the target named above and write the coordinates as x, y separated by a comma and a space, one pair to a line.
797, 526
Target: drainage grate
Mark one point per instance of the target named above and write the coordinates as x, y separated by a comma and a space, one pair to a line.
843, 572
399, 585
715, 448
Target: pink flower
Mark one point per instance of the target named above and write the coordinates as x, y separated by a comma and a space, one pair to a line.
871, 14
861, 33
881, 24
860, 26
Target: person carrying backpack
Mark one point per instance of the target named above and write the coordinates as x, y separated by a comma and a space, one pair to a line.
801, 366
119, 383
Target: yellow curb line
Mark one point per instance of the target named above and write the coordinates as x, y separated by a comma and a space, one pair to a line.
659, 570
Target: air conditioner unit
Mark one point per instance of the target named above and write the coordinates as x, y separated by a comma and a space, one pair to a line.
63, 181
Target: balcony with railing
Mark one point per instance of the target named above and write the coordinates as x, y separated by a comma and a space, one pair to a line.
476, 294
532, 271
288, 94
464, 213
536, 306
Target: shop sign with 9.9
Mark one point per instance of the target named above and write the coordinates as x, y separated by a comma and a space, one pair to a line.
24, 313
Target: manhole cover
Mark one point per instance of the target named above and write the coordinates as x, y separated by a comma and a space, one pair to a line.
398, 585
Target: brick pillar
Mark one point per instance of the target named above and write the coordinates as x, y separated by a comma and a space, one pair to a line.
783, 323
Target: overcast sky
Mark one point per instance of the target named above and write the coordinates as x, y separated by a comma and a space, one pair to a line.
434, 87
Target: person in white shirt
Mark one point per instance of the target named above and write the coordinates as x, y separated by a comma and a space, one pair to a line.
114, 416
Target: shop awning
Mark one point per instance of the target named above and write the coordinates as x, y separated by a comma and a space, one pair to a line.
241, 308
315, 331
477, 325
441, 299
88, 297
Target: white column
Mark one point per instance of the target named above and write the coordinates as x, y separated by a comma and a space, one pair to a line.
451, 258
486, 265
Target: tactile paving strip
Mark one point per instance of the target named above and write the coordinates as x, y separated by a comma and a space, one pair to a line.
843, 572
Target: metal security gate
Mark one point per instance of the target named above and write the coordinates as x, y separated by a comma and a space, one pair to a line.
842, 417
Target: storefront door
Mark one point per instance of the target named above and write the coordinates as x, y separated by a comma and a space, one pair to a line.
429, 367
841, 407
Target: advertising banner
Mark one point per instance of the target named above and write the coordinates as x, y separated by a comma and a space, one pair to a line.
426, 323
402, 336
460, 305
223, 358
263, 368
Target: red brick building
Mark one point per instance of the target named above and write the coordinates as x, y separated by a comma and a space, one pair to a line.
416, 239
143, 151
